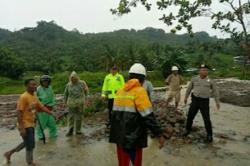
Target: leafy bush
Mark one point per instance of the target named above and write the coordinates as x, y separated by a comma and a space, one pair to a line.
10, 65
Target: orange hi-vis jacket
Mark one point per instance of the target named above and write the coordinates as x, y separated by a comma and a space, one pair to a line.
131, 117
132, 98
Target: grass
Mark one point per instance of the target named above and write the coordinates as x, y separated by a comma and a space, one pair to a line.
95, 80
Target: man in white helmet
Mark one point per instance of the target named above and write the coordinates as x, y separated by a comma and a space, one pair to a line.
174, 82
132, 116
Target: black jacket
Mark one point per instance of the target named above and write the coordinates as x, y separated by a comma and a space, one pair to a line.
129, 129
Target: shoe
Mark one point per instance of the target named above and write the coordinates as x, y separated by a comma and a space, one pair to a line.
70, 133
209, 139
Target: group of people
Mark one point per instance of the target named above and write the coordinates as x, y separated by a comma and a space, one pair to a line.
129, 104
201, 88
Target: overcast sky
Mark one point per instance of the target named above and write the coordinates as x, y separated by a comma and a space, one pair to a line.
85, 15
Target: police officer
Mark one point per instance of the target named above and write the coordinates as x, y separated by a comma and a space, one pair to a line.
200, 89
112, 83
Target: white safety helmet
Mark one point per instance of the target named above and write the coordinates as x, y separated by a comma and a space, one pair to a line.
175, 68
138, 68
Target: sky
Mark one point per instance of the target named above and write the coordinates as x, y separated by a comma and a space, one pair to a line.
88, 16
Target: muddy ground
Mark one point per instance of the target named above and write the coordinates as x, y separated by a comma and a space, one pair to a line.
231, 146
234, 91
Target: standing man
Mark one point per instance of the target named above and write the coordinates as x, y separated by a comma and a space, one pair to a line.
174, 82
112, 83
200, 89
75, 95
27, 106
132, 116
47, 98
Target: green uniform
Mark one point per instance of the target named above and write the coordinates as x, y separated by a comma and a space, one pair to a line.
75, 99
112, 83
47, 98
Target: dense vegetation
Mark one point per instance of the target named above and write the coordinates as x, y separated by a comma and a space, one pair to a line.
49, 48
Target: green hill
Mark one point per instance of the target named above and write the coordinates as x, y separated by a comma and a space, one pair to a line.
48, 47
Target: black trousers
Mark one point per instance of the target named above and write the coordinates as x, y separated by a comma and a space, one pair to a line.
28, 143
202, 105
110, 108
28, 140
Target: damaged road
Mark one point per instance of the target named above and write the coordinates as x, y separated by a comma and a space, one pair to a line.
231, 139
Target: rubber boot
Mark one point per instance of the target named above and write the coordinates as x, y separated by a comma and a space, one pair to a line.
70, 133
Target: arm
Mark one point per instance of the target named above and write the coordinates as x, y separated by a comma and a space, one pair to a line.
182, 80
216, 94
21, 104
152, 124
144, 107
122, 81
167, 80
66, 94
188, 91
41, 108
20, 123
104, 87
85, 88
150, 89
20, 119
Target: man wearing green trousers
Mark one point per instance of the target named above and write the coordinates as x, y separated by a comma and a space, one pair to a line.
47, 98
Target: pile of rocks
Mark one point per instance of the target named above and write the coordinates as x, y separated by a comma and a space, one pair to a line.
95, 122
234, 91
174, 125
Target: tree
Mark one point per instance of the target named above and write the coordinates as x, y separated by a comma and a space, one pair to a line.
10, 65
50, 48
170, 57
233, 20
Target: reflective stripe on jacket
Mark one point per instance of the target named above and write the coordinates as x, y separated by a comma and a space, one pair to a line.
131, 117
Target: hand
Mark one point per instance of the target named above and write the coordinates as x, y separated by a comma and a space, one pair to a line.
104, 97
185, 101
54, 115
161, 142
22, 132
218, 106
49, 112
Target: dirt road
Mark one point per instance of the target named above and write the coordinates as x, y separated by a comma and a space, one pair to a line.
231, 146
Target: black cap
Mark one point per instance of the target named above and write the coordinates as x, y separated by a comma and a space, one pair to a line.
203, 66
114, 68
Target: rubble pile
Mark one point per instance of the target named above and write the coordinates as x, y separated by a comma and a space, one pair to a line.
95, 129
173, 124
